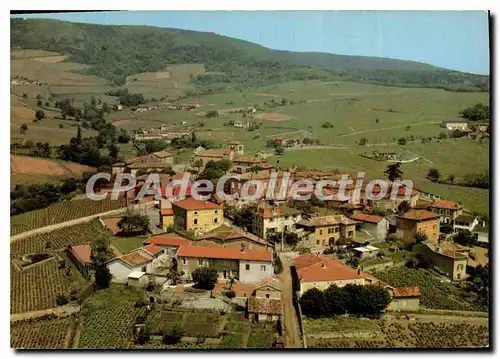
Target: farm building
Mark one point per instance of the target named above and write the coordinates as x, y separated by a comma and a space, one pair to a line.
325, 231
266, 303
137, 279
449, 257
417, 221
447, 210
135, 261
405, 299
80, 255
366, 252
455, 125
375, 226
248, 266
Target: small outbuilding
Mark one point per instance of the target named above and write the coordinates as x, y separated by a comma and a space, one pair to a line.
366, 251
137, 279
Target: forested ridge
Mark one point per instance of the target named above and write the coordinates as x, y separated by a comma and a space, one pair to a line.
115, 52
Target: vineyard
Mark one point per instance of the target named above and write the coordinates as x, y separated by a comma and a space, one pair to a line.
42, 333
61, 212
57, 239
435, 294
398, 334
37, 286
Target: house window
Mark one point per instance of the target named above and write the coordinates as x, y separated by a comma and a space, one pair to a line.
263, 268
317, 242
271, 219
349, 234
184, 261
200, 262
330, 230
320, 232
336, 229
216, 212
215, 220
247, 266
195, 212
196, 221
267, 296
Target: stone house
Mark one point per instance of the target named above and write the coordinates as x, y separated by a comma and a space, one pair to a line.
448, 257
405, 299
213, 154
455, 125
169, 242
266, 304
151, 162
136, 261
80, 255
248, 266
376, 226
447, 210
270, 220
237, 147
227, 236
366, 251
193, 215
166, 218
417, 221
325, 231
465, 222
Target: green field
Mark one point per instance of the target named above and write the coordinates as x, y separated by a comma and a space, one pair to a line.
128, 244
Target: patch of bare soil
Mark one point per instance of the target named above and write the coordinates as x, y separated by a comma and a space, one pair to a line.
273, 116
50, 59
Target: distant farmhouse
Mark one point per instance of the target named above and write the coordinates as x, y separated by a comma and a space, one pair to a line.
455, 125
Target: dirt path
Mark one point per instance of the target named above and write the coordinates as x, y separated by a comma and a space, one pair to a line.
59, 311
291, 329
388, 128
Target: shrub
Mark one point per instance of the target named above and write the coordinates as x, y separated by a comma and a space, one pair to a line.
230, 294
173, 336
205, 277
61, 299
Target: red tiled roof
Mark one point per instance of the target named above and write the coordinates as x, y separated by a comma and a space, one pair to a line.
322, 268
419, 215
364, 217
153, 249
112, 224
406, 292
135, 258
82, 252
167, 239
264, 305
167, 212
247, 159
224, 253
241, 289
190, 204
445, 205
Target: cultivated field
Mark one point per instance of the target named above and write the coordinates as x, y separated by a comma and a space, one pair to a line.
24, 168
48, 333
397, 332
61, 212
57, 239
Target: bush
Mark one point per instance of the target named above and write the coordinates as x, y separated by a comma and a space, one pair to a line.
205, 277
173, 336
61, 299
230, 294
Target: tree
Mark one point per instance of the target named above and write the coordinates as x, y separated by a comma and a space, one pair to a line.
401, 141
132, 224
353, 261
465, 238
113, 153
404, 207
363, 141
23, 129
39, 103
478, 112
212, 113
408, 128
335, 300
433, 175
327, 125
312, 303
451, 178
377, 120
99, 255
420, 237
205, 277
394, 172
39, 115
198, 164
123, 137
279, 151
194, 139
442, 135
173, 336
25, 96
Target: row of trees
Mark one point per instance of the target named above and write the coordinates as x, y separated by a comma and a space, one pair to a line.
478, 112
473, 179
351, 299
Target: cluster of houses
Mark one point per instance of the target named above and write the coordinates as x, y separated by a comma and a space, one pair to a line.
163, 133
286, 142
166, 106
463, 126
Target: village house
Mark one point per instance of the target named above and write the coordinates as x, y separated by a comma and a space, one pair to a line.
136, 261
241, 124
247, 266
405, 299
168, 242
156, 161
271, 220
193, 215
266, 303
320, 272
375, 226
387, 204
455, 125
366, 252
237, 147
80, 255
482, 232
465, 222
417, 221
211, 155
227, 236
447, 210
166, 218
385, 154
286, 142
325, 231
448, 257
243, 163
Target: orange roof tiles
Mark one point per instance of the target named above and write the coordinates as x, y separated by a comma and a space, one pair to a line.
135, 258
190, 204
112, 224
364, 217
265, 305
445, 205
419, 215
153, 249
322, 268
167, 239
82, 252
224, 253
167, 212
241, 289
406, 292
